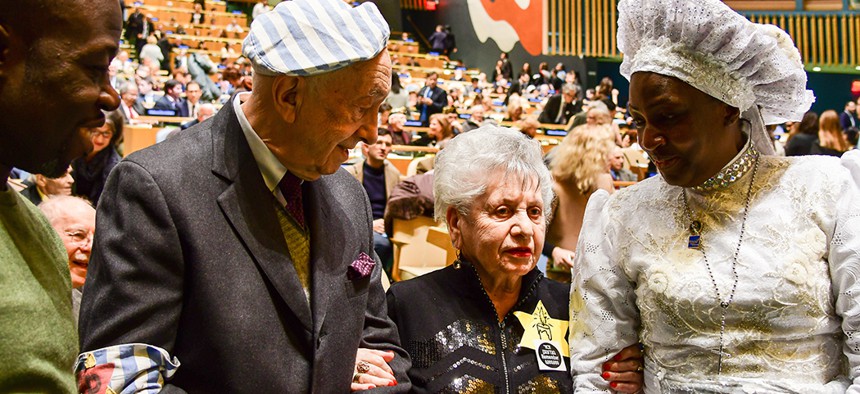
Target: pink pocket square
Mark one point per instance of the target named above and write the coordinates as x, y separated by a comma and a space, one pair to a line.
361, 267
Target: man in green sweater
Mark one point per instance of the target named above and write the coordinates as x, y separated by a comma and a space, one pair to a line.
54, 56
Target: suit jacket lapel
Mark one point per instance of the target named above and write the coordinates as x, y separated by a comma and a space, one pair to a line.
327, 249
249, 207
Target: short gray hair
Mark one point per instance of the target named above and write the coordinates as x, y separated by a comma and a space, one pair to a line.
463, 169
570, 88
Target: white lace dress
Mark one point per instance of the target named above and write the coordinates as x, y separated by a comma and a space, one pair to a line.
793, 323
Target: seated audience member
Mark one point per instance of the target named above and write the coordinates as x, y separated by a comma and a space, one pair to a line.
147, 95
596, 112
384, 115
475, 118
113, 70
517, 87
379, 177
440, 130
851, 136
560, 108
172, 99
616, 167
803, 136
198, 17
514, 110
181, 74
205, 111
130, 106
92, 170
42, 188
399, 136
580, 166
831, 141
453, 120
528, 126
398, 97
74, 219
492, 304
473, 88
234, 28
192, 98
455, 98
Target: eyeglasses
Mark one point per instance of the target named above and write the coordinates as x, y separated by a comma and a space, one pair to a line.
80, 237
105, 134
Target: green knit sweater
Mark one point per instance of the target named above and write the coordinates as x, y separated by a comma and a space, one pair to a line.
38, 341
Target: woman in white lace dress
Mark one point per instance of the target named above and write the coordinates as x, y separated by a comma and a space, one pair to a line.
737, 270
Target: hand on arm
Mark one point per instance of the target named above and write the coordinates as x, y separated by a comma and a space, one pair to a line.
624, 371
372, 370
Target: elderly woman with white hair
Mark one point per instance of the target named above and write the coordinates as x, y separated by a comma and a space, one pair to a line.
736, 269
491, 322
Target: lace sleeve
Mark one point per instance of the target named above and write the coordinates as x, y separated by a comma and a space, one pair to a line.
603, 317
844, 260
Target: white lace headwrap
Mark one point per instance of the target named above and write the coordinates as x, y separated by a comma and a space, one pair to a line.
755, 68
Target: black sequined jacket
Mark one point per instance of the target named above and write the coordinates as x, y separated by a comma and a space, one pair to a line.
448, 325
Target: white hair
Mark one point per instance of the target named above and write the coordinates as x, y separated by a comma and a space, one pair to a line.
473, 160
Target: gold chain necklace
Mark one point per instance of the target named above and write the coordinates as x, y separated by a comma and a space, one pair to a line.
695, 242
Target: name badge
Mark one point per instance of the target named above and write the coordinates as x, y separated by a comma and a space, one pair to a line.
549, 356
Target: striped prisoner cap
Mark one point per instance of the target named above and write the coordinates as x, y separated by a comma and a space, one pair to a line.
307, 37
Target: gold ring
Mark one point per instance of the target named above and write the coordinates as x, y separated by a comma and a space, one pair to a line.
355, 377
362, 367
640, 368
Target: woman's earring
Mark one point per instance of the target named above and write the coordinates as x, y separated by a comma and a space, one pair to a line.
457, 264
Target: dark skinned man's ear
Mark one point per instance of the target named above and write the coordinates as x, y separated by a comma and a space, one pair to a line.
13, 50
287, 96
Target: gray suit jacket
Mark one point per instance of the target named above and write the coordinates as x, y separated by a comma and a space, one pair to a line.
190, 257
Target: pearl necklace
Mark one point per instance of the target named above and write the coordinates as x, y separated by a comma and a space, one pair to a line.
695, 229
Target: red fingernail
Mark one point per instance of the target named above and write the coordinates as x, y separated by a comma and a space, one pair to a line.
605, 375
617, 357
613, 384
392, 383
606, 366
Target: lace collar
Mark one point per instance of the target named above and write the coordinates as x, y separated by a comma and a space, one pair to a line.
732, 172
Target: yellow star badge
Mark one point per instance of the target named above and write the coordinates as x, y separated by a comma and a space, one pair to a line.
539, 326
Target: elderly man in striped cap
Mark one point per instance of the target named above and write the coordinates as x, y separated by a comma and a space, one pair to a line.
238, 257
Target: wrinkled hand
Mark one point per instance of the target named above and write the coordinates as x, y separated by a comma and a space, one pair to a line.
623, 371
379, 226
379, 374
562, 258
